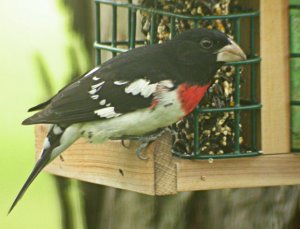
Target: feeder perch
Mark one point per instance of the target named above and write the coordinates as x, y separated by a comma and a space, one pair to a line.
113, 165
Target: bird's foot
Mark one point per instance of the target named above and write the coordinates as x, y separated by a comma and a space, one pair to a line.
139, 150
145, 141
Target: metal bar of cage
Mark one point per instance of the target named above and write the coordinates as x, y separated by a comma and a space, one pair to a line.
98, 33
114, 29
129, 23
252, 105
173, 29
293, 103
295, 6
132, 29
152, 29
253, 91
237, 80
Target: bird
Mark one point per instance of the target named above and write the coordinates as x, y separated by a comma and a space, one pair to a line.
134, 95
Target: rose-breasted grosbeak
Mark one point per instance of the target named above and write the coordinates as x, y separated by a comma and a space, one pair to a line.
133, 94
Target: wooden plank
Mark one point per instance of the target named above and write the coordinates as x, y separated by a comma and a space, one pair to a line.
113, 165
274, 38
164, 168
265, 170
109, 164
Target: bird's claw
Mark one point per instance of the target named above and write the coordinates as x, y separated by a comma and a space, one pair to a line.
145, 141
123, 144
139, 150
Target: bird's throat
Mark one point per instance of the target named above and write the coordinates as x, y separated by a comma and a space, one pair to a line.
191, 95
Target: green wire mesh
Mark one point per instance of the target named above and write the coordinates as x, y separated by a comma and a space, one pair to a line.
252, 105
295, 76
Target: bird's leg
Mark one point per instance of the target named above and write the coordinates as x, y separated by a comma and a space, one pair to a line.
145, 141
139, 150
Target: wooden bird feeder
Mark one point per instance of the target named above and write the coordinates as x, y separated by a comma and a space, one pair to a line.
114, 165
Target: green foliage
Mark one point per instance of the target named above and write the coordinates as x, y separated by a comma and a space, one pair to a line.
39, 54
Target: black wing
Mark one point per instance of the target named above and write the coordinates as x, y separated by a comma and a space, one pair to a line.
104, 87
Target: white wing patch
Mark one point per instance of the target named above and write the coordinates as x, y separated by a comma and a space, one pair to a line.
92, 71
120, 82
162, 87
96, 87
108, 112
166, 83
95, 78
93, 91
95, 97
142, 87
102, 102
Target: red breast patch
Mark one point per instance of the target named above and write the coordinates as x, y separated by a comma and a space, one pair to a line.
190, 96
153, 104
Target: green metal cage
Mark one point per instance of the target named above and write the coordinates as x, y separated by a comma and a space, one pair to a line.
253, 105
295, 76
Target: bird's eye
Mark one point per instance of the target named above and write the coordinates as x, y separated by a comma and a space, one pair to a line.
205, 43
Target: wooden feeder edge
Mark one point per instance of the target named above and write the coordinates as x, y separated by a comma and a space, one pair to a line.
113, 165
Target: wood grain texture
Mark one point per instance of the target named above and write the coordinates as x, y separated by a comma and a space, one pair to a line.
113, 165
274, 50
109, 164
164, 167
265, 170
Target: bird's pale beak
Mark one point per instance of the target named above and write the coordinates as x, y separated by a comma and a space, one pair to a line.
231, 53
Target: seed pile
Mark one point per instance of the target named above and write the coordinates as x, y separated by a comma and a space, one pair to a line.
186, 7
216, 129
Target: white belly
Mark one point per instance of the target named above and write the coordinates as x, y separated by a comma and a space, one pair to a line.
166, 112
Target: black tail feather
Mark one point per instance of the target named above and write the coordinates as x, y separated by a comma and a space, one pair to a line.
40, 106
53, 141
41, 163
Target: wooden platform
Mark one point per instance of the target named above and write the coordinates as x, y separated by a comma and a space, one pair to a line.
113, 165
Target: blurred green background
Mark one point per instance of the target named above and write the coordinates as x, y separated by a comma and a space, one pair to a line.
28, 29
